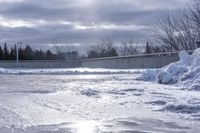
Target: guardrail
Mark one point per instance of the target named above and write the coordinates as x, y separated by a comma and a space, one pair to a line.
138, 55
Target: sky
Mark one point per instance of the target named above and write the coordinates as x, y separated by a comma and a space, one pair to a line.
41, 23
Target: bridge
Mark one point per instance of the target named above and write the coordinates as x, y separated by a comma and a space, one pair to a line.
156, 60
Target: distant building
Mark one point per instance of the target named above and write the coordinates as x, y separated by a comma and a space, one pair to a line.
69, 55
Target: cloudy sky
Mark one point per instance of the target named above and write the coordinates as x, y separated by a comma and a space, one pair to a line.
84, 22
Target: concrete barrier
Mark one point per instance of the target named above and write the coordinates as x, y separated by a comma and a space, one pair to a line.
125, 62
128, 62
40, 64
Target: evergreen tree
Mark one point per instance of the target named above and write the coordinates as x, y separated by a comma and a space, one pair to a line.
25, 53
41, 55
28, 53
49, 55
21, 53
36, 55
1, 53
12, 53
113, 52
5, 52
147, 48
92, 54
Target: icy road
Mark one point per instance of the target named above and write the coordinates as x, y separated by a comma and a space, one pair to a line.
93, 101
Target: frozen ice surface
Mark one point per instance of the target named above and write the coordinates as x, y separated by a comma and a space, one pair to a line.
93, 101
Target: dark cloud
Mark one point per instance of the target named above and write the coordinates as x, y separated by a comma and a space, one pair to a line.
41, 22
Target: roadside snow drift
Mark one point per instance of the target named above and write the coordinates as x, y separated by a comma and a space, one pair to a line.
67, 71
184, 72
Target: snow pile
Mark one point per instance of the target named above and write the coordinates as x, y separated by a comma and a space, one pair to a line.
149, 75
185, 72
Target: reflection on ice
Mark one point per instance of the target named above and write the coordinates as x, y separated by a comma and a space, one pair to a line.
117, 103
86, 127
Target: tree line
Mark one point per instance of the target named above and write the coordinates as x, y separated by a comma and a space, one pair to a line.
104, 48
26, 53
174, 32
107, 48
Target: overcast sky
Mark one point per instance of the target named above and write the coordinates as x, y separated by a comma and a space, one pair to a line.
83, 22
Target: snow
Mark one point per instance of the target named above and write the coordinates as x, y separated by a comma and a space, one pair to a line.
110, 101
149, 75
185, 73
68, 71
182, 108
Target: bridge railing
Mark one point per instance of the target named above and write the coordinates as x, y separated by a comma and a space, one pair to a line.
138, 55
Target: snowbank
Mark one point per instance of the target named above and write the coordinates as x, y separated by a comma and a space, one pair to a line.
69, 71
184, 72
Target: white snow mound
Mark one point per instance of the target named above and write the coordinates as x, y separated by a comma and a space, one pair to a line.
184, 72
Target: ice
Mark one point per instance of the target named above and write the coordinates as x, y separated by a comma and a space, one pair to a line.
97, 100
185, 72
31, 103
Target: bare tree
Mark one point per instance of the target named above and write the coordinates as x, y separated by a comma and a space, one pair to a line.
104, 48
128, 47
194, 16
175, 32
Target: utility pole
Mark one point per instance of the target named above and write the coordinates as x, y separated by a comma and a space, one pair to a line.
17, 51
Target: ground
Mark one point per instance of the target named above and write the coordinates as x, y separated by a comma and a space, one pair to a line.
93, 101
